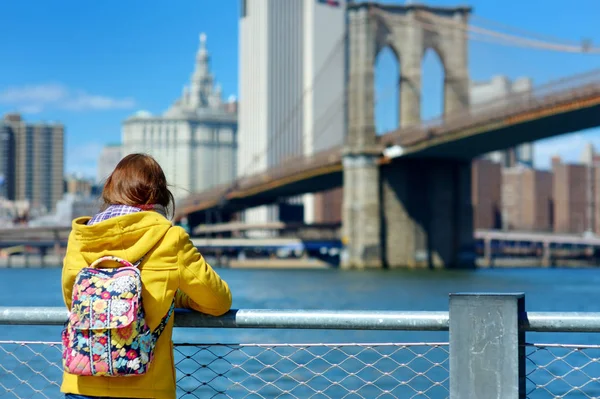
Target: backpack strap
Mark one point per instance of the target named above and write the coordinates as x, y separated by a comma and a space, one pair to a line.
122, 261
163, 323
114, 259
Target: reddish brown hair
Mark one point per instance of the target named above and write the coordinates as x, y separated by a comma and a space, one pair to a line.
137, 180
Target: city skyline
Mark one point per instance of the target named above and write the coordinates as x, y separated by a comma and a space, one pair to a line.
90, 78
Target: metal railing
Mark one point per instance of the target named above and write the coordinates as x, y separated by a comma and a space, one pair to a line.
486, 355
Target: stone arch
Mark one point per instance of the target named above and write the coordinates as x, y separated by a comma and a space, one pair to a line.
384, 39
432, 84
450, 44
406, 29
386, 88
384, 36
371, 25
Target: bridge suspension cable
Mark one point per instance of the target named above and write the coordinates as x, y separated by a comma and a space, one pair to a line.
476, 33
283, 128
435, 24
518, 30
502, 38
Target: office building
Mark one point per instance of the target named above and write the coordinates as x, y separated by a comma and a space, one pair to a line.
570, 197
110, 156
76, 185
482, 94
7, 162
527, 199
291, 87
35, 170
591, 161
486, 183
195, 140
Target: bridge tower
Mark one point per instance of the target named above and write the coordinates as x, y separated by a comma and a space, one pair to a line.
412, 212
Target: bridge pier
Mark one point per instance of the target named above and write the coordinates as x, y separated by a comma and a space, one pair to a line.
361, 226
427, 214
410, 213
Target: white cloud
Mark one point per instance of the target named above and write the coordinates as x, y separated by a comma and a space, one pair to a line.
32, 99
31, 109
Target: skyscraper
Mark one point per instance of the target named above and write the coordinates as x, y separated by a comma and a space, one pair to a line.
36, 172
110, 156
195, 140
7, 162
292, 56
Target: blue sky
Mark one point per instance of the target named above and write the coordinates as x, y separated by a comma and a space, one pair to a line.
91, 64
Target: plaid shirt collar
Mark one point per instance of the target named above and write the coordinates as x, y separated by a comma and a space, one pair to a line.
112, 211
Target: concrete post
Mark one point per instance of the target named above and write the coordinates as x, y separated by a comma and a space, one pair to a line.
487, 353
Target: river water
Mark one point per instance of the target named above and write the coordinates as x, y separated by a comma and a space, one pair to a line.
557, 289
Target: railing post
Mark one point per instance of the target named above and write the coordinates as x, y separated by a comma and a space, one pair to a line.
487, 252
487, 354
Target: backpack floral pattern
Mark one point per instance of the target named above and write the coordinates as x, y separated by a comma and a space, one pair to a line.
106, 333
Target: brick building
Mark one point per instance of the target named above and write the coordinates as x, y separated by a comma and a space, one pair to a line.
527, 199
328, 206
571, 197
486, 178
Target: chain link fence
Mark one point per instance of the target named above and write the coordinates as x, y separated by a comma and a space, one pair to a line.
30, 369
563, 371
382, 370
479, 358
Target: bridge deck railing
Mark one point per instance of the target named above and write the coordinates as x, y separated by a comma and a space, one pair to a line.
570, 89
486, 355
562, 91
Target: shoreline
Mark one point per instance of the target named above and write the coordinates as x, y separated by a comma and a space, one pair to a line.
54, 261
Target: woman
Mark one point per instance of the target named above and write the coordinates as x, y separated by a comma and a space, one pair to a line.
133, 226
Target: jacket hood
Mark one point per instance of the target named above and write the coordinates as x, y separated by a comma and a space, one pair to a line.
129, 236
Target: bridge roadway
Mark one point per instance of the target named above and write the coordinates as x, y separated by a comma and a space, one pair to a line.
556, 108
539, 238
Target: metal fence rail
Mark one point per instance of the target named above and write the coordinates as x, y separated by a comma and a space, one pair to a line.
486, 356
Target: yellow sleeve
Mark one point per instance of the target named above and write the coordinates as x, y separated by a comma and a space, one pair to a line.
68, 279
201, 288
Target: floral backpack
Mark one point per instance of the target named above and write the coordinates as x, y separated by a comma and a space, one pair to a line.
106, 333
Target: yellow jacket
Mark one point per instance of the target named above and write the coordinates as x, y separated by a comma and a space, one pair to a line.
172, 267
